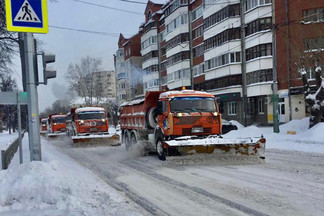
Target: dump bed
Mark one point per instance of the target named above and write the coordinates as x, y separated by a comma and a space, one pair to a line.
133, 115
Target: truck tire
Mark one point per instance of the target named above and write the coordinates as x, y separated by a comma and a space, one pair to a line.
127, 140
152, 115
160, 150
133, 140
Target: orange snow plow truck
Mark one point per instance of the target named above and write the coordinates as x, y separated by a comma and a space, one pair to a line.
56, 125
90, 125
177, 123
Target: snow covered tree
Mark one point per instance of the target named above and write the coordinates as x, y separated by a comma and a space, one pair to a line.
316, 100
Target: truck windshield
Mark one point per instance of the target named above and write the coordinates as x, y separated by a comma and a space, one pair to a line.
91, 115
193, 104
59, 120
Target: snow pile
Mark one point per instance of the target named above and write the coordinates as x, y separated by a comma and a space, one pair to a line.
237, 124
6, 139
245, 132
299, 126
315, 133
58, 186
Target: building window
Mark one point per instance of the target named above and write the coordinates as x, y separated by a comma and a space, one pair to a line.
250, 106
232, 108
180, 20
197, 32
223, 60
198, 51
197, 13
198, 70
258, 25
177, 40
260, 106
259, 76
229, 11
313, 15
250, 4
259, 51
313, 44
223, 37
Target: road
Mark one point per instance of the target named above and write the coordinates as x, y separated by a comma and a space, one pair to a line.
286, 183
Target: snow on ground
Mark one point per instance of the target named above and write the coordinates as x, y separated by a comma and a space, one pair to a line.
57, 186
307, 140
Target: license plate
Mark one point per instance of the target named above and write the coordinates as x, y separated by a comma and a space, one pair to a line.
93, 129
197, 130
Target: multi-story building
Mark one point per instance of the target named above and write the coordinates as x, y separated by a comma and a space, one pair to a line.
128, 68
150, 46
299, 35
225, 47
105, 82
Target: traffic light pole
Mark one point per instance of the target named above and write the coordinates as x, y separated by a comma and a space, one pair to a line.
32, 98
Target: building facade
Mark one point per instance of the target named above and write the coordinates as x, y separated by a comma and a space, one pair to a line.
299, 35
105, 80
225, 47
128, 68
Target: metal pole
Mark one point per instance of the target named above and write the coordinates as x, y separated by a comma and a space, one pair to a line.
190, 49
275, 95
159, 56
19, 129
288, 58
243, 66
32, 99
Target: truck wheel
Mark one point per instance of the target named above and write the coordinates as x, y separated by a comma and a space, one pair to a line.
152, 115
133, 140
126, 140
160, 150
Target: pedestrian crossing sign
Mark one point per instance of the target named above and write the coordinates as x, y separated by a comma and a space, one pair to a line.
27, 16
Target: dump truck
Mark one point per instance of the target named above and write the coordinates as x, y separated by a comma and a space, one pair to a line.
56, 125
89, 125
182, 122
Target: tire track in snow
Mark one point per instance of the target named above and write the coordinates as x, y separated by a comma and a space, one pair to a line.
110, 179
139, 167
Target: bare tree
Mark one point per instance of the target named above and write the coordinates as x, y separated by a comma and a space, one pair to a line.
8, 42
7, 84
59, 106
81, 78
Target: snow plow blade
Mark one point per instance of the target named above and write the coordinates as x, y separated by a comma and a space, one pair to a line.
54, 135
95, 140
190, 146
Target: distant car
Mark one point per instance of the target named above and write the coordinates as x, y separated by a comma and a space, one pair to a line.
227, 126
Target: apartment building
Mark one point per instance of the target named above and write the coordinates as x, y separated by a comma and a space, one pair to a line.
225, 47
105, 80
128, 68
150, 46
299, 35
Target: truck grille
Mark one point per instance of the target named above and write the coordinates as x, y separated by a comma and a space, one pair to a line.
187, 131
193, 120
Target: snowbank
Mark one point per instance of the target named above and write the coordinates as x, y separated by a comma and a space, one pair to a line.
307, 140
237, 124
58, 186
295, 125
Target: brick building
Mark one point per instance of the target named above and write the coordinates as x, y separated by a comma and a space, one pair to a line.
299, 32
128, 68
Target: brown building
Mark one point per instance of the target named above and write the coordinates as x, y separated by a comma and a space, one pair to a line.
128, 64
299, 35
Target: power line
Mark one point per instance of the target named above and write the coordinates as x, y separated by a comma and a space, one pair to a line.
107, 7
109, 34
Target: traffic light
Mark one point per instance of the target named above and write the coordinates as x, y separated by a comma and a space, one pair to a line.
49, 72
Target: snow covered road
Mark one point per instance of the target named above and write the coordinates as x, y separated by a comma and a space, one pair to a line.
287, 183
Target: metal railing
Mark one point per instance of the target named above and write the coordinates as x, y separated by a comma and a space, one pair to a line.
8, 154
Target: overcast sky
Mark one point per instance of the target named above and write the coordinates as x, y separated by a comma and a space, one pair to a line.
71, 46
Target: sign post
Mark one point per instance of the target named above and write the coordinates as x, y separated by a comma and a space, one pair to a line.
29, 16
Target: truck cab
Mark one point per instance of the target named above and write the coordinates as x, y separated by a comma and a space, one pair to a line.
43, 125
188, 113
56, 124
89, 120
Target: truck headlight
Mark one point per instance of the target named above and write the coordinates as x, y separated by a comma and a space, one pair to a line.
215, 113
179, 115
81, 122
55, 124
103, 120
